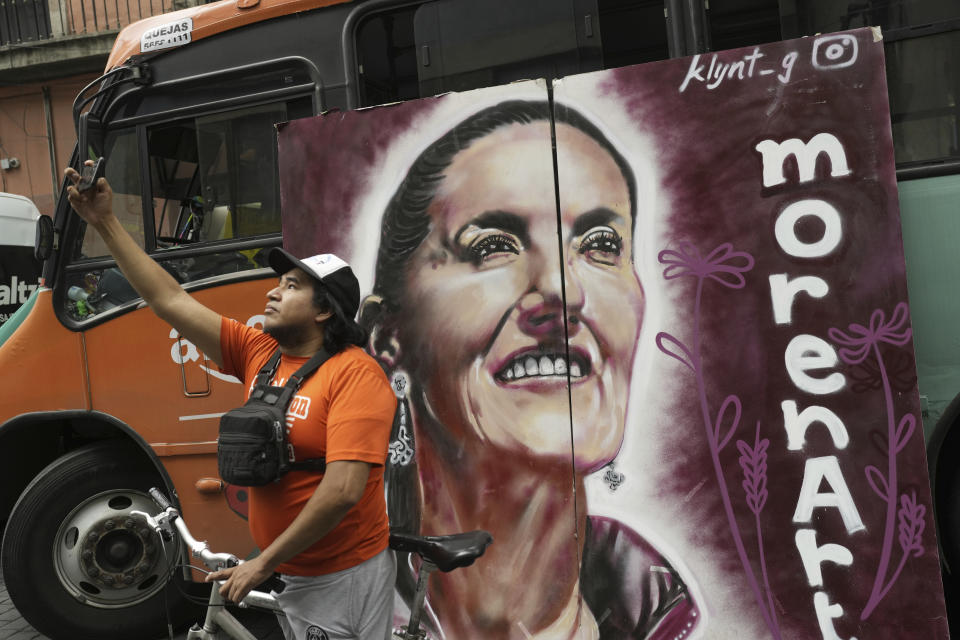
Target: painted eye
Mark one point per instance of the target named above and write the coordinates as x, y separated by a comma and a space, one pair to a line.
489, 247
602, 245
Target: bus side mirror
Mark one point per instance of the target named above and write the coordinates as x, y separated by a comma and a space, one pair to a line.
46, 239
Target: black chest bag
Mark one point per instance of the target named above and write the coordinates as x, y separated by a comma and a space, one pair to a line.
252, 449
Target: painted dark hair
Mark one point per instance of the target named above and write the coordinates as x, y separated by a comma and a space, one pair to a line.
406, 222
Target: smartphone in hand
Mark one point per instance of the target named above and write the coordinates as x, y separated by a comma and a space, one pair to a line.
90, 173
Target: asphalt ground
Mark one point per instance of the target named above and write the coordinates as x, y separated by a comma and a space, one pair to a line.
14, 627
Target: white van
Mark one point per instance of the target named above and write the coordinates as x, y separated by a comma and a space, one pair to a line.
19, 270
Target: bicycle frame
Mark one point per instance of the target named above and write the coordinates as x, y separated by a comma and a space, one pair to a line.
218, 618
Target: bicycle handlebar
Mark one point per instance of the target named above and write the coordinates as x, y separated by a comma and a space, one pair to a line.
169, 519
443, 552
159, 498
198, 549
201, 550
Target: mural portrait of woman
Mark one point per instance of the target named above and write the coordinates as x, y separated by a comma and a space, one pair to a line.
512, 343
648, 327
489, 325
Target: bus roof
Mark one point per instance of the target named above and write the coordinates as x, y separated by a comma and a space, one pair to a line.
201, 22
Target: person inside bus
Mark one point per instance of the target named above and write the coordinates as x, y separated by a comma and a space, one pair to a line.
325, 533
467, 315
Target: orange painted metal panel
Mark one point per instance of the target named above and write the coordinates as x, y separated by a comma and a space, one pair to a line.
208, 20
43, 365
137, 367
219, 517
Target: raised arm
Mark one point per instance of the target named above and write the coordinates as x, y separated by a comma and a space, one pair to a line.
195, 322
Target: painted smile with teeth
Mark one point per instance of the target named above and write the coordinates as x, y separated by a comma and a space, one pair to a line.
538, 364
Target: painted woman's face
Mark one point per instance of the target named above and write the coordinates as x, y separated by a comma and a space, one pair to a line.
483, 326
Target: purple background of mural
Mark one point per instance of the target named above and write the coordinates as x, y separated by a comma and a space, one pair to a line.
712, 176
706, 142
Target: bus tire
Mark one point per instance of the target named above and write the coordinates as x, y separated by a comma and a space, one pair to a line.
77, 564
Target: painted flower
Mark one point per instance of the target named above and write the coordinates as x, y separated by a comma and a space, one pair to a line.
911, 524
723, 264
753, 463
899, 368
856, 344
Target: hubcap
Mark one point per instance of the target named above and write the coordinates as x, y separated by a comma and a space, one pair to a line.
108, 558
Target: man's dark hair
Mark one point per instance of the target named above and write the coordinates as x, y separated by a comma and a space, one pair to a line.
339, 330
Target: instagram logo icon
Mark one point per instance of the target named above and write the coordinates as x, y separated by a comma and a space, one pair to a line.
834, 52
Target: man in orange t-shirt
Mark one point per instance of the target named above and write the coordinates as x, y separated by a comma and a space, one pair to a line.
326, 533
341, 412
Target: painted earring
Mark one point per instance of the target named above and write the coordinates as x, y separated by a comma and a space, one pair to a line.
612, 477
401, 449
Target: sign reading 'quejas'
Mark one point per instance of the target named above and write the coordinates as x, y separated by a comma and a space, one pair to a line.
165, 36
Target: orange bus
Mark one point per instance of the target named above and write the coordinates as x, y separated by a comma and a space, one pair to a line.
101, 399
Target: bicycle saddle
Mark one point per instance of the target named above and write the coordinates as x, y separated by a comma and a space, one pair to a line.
447, 552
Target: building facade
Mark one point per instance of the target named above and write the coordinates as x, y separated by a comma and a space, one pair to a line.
50, 50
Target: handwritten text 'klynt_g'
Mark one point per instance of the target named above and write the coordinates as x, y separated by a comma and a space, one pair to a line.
748, 66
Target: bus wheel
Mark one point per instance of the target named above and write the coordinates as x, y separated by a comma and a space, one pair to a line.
76, 563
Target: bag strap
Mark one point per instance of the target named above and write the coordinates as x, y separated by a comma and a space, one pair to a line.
267, 371
292, 384
310, 464
283, 400
308, 367
305, 370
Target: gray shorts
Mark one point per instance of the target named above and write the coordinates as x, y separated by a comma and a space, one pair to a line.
356, 603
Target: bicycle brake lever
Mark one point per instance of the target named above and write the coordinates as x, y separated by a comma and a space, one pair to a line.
150, 521
164, 534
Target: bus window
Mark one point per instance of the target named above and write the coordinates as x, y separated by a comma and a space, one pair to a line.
921, 43
807, 17
212, 183
214, 178
387, 57
924, 97
458, 45
123, 173
928, 214
742, 23
634, 31
174, 178
238, 173
203, 170
463, 44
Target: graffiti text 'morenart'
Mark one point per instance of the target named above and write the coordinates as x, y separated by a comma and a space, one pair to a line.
806, 354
